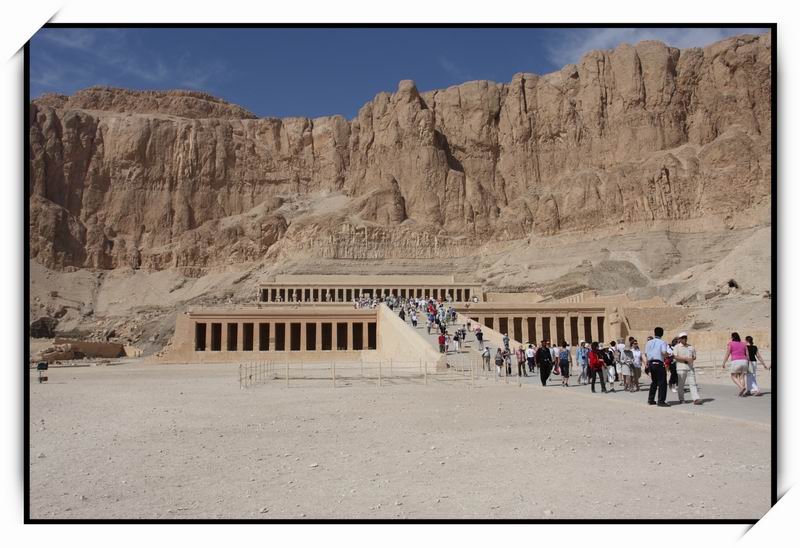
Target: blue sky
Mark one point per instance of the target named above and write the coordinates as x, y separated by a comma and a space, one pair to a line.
317, 72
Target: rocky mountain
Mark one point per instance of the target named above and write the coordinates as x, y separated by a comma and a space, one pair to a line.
641, 139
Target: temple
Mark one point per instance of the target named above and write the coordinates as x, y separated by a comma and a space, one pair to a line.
318, 318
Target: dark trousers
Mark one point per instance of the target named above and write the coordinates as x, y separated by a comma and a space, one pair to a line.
530, 365
594, 374
521, 369
544, 372
658, 381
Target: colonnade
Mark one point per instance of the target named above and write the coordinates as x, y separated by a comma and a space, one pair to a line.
300, 335
345, 294
550, 326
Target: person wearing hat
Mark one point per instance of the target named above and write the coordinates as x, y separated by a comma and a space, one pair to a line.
684, 356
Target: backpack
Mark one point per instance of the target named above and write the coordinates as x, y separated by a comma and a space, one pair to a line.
608, 357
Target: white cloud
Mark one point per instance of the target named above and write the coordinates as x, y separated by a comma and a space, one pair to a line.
575, 43
67, 58
453, 70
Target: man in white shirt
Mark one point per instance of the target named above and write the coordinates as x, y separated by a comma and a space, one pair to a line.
685, 355
656, 351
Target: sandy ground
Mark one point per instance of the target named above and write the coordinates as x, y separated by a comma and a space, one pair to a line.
148, 441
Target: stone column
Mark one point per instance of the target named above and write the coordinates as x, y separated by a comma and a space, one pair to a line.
318, 346
256, 335
568, 329
595, 329
349, 335
334, 336
539, 329
525, 335
303, 336
223, 343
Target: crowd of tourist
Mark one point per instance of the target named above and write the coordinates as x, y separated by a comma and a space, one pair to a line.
619, 363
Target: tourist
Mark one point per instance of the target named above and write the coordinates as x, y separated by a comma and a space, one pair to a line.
597, 365
521, 362
403, 314
442, 341
610, 370
544, 359
626, 366
529, 356
428, 323
656, 352
638, 361
564, 362
684, 357
498, 361
671, 367
449, 342
414, 318
486, 355
582, 358
507, 361
506, 341
479, 337
737, 352
457, 340
753, 355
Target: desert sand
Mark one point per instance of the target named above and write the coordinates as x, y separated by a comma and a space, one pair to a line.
150, 441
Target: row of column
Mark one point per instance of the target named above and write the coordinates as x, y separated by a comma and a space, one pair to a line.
347, 294
299, 336
555, 328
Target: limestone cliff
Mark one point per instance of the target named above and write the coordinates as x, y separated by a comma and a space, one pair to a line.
640, 134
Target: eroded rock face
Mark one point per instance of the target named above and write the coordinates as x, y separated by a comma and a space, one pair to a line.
640, 134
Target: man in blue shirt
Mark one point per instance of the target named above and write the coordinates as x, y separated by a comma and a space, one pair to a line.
656, 351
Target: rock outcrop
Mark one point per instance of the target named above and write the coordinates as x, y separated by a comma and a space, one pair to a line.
637, 135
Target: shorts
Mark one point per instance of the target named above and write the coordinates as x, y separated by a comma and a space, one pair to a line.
625, 369
565, 371
738, 366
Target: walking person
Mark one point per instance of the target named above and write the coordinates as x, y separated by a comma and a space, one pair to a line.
737, 353
414, 318
506, 342
498, 362
684, 356
596, 366
544, 359
752, 356
442, 342
564, 362
457, 340
529, 357
479, 337
582, 358
656, 352
487, 357
521, 359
